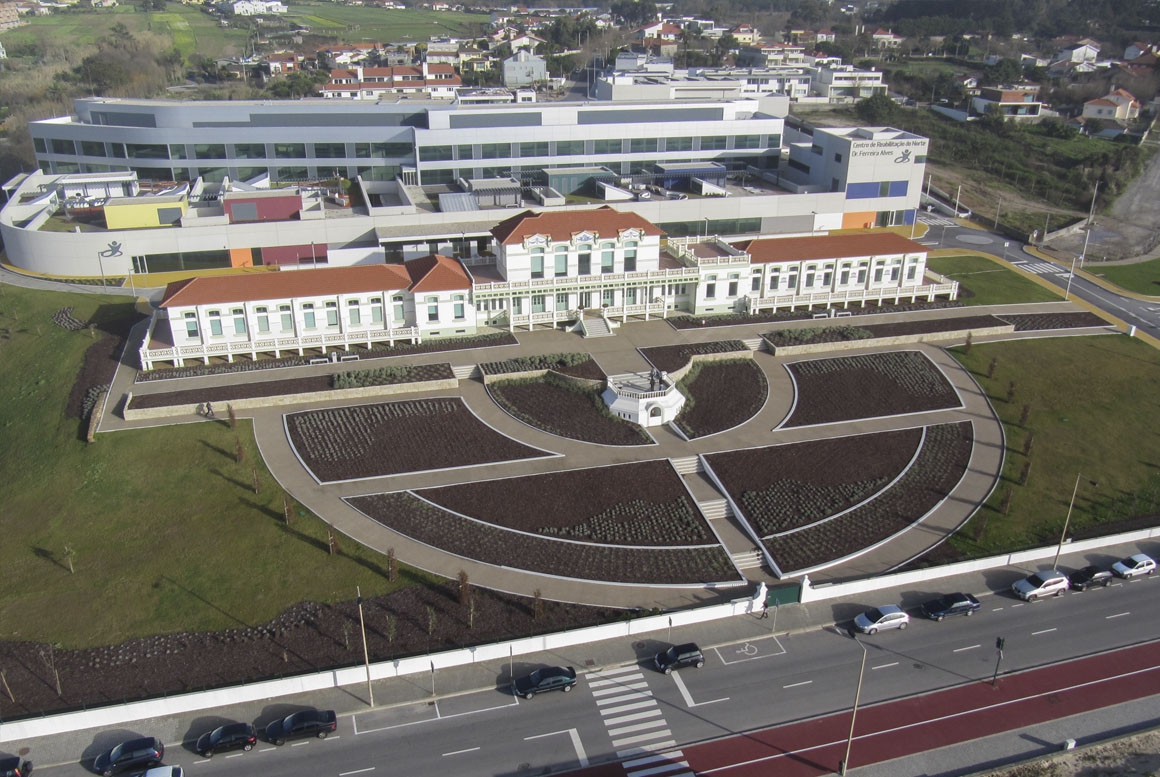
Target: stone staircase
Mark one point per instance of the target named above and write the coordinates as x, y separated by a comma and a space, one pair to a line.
715, 509
750, 559
755, 344
465, 371
595, 327
687, 465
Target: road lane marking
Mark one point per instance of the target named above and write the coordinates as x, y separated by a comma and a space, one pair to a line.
461, 752
688, 697
577, 745
663, 758
645, 726
885, 666
614, 681
620, 688
655, 712
360, 771
641, 738
1018, 605
651, 747
645, 694
636, 705
267, 749
299, 744
1117, 615
968, 647
612, 672
1044, 631
996, 609
940, 719
674, 766
795, 685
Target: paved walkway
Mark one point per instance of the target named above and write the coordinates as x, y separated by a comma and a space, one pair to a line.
615, 354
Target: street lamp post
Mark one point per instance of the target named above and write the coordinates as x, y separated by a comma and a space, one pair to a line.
1067, 520
366, 655
101, 264
997, 208
845, 762
1070, 275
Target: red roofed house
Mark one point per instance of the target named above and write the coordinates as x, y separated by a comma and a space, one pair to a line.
369, 83
1120, 106
275, 313
886, 39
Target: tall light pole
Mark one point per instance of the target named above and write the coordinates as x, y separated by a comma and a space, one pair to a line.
366, 655
1088, 231
1067, 291
997, 208
1066, 521
845, 762
101, 264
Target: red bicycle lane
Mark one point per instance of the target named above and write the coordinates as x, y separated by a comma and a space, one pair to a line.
889, 730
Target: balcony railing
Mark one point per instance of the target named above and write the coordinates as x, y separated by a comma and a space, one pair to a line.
843, 298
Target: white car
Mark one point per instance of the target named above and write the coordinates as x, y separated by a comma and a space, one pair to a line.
165, 771
882, 618
1132, 566
1050, 582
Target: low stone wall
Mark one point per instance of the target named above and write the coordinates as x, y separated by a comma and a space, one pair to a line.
678, 375
533, 374
877, 342
277, 400
95, 416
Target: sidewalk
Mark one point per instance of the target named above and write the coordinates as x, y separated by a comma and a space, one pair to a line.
784, 620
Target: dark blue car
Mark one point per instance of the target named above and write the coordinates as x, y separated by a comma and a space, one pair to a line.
951, 604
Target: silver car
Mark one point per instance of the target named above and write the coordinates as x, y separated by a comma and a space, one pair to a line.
1050, 582
1133, 566
882, 618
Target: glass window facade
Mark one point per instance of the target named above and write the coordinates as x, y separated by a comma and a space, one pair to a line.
289, 150
209, 150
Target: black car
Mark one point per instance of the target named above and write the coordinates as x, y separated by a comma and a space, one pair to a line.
13, 766
143, 753
232, 736
951, 604
1090, 577
550, 678
677, 656
307, 723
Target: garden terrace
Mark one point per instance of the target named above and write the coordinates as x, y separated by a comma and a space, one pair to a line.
424, 522
576, 365
243, 364
1040, 321
389, 438
781, 488
563, 408
720, 395
870, 385
833, 334
670, 358
735, 319
643, 503
273, 388
937, 467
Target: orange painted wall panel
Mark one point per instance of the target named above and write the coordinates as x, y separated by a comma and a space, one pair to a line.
863, 220
241, 257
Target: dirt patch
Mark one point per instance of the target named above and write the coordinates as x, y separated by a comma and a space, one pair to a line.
1132, 756
308, 637
99, 364
1041, 321
388, 438
720, 396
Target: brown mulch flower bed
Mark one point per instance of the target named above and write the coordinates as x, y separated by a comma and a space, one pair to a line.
720, 396
575, 365
870, 385
565, 410
842, 332
388, 438
785, 487
100, 363
735, 319
308, 637
936, 470
1038, 321
273, 388
402, 349
670, 358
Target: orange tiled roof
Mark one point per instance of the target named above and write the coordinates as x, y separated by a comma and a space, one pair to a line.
225, 289
437, 273
794, 249
561, 225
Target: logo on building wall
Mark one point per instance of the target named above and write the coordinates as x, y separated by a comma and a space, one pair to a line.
902, 158
114, 249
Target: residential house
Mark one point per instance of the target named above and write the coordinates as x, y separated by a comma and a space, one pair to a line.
257, 7
1119, 106
1138, 49
370, 83
523, 40
284, 62
886, 39
1019, 102
1085, 50
524, 69
745, 34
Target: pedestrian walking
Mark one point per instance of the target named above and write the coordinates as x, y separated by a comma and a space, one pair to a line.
208, 410
764, 610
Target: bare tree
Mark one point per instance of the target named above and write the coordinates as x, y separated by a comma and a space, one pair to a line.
537, 605
392, 565
69, 555
464, 587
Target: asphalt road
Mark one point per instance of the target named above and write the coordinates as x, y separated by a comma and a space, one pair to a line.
757, 683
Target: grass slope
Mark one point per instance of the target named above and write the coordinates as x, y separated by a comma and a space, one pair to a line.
990, 282
167, 532
1094, 405
1142, 277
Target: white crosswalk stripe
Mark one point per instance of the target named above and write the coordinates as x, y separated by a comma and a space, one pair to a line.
1042, 268
935, 221
636, 724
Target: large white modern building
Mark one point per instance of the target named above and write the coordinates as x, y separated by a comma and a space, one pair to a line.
154, 185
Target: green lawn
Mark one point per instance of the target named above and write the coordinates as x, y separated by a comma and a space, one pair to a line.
366, 23
990, 282
1142, 277
1093, 410
167, 532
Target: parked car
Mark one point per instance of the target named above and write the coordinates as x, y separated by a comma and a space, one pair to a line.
951, 604
882, 618
14, 766
1133, 566
550, 678
1089, 577
232, 736
1050, 582
307, 723
165, 771
142, 753
678, 656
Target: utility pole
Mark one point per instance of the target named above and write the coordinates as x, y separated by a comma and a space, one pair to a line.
999, 643
366, 655
1088, 232
844, 764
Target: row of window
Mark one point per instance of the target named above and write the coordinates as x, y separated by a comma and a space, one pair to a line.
217, 174
599, 146
284, 316
222, 151
584, 266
